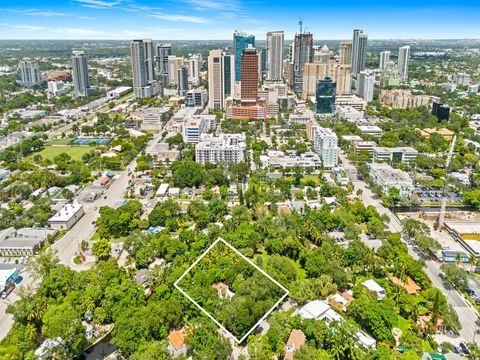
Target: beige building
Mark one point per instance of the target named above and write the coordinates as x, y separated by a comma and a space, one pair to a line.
403, 99
316, 71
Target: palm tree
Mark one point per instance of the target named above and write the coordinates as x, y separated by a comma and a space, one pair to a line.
472, 260
458, 259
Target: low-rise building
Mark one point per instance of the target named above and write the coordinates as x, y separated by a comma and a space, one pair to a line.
396, 154
403, 99
23, 241
222, 148
444, 132
372, 130
295, 341
373, 286
387, 177
152, 118
197, 125
278, 159
197, 97
118, 92
66, 217
349, 113
368, 146
340, 176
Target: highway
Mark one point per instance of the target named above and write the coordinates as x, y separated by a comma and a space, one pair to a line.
466, 313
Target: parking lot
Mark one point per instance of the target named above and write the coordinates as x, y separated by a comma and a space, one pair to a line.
432, 195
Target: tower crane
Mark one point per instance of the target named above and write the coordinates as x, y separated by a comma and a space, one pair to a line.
441, 215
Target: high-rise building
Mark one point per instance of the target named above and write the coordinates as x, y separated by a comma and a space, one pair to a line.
365, 85
302, 54
220, 79
240, 42
194, 65
182, 80
339, 73
325, 144
29, 73
143, 69
249, 75
442, 112
174, 63
80, 74
275, 41
403, 59
221, 149
263, 63
359, 51
345, 56
326, 90
384, 59
161, 60
389, 77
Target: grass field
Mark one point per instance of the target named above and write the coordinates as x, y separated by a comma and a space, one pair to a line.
59, 142
76, 152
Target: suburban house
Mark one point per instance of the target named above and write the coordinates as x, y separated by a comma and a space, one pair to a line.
223, 290
374, 287
295, 341
424, 321
409, 285
176, 343
340, 301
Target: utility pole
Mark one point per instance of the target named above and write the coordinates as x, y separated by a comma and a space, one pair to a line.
441, 215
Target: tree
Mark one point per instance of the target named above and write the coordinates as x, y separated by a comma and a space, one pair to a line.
101, 249
43, 263
187, 173
472, 197
64, 321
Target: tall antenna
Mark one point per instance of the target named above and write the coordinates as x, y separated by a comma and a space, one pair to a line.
300, 22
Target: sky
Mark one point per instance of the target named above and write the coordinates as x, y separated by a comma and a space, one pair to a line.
217, 19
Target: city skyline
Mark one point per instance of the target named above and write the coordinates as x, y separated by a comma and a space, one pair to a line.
216, 20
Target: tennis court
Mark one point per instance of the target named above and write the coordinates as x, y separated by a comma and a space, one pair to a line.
83, 141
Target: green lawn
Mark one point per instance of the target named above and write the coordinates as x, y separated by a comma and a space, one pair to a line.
75, 151
403, 324
65, 141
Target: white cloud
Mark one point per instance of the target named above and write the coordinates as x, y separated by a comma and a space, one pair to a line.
35, 12
69, 31
181, 18
98, 4
213, 4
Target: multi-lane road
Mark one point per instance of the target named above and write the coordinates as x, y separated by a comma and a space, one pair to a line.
466, 313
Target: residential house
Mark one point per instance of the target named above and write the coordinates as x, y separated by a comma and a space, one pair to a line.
295, 342
176, 343
373, 286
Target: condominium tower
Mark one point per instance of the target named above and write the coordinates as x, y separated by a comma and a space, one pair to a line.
275, 40
240, 42
302, 54
345, 56
143, 69
359, 51
29, 73
80, 74
161, 62
384, 59
220, 79
403, 59
249, 75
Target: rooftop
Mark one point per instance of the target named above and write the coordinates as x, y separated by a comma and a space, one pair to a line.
66, 212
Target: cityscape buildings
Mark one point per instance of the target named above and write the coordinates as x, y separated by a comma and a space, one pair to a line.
441, 111
326, 90
29, 73
220, 79
144, 84
403, 59
359, 51
345, 53
163, 51
80, 74
249, 76
274, 58
325, 144
182, 80
384, 58
241, 40
224, 148
365, 85
302, 53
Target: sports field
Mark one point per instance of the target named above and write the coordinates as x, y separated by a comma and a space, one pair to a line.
76, 152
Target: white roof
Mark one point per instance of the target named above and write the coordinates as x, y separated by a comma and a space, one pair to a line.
314, 309
373, 286
366, 340
162, 189
66, 212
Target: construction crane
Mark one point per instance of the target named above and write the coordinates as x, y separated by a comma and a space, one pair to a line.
300, 23
441, 215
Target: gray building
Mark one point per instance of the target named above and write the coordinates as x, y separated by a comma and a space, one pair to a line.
23, 241
365, 85
80, 74
403, 59
143, 69
223, 148
275, 41
302, 54
161, 62
384, 58
182, 80
359, 51
29, 73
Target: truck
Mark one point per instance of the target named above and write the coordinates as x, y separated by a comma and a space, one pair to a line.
7, 290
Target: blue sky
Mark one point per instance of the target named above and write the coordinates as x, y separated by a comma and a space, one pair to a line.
216, 19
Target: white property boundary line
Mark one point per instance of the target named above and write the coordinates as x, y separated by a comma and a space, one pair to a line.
207, 313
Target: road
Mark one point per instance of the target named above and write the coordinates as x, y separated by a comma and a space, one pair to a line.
67, 246
466, 313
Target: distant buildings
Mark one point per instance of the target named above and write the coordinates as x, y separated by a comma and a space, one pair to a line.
29, 73
57, 88
345, 53
359, 51
161, 62
384, 59
249, 76
223, 148
318, 70
182, 80
80, 74
144, 84
241, 40
461, 79
365, 85
220, 79
194, 65
325, 144
302, 54
197, 97
394, 154
325, 95
441, 111
443, 132
403, 99
387, 177
403, 59
274, 60
389, 76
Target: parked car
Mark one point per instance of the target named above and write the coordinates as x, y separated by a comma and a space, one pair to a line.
463, 348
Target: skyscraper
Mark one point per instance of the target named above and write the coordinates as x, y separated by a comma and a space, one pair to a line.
143, 69
359, 51
194, 64
80, 74
220, 73
365, 85
325, 96
174, 63
345, 56
302, 54
403, 59
29, 73
161, 60
275, 41
249, 75
240, 42
263, 63
384, 59
182, 80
